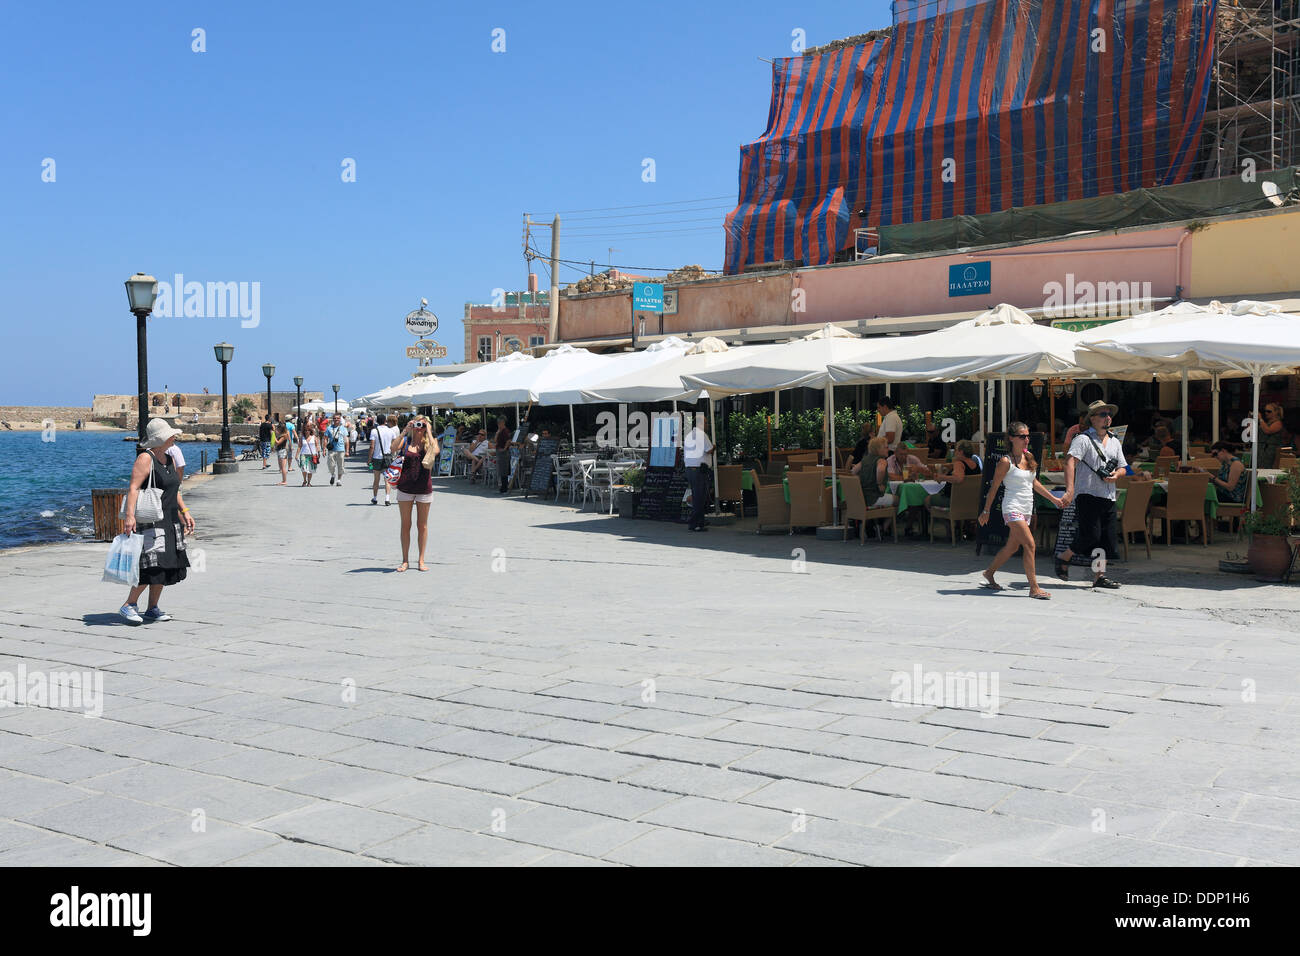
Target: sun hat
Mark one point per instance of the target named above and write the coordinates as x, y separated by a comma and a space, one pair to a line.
157, 433
1097, 407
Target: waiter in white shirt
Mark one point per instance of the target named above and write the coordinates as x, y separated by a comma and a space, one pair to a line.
698, 454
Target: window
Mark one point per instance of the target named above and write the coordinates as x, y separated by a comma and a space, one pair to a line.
485, 348
535, 340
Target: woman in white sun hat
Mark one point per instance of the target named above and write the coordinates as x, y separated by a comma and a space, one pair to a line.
162, 555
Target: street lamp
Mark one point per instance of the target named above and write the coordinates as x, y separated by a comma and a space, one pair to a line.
297, 383
336, 398
225, 463
268, 370
141, 291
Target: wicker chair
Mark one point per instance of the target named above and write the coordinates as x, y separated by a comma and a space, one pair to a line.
772, 506
1186, 503
965, 506
855, 508
1134, 516
729, 487
809, 500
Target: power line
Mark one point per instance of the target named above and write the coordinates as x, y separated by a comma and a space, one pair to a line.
644, 205
643, 215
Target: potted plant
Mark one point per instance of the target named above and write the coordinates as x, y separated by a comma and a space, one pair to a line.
1269, 554
627, 496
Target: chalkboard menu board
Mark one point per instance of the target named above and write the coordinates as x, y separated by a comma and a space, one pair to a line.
661, 498
539, 482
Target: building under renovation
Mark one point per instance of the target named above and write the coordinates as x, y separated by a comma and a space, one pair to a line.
968, 122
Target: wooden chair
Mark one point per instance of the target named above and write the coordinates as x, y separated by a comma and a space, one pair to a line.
1134, 515
1186, 503
798, 459
1211, 465
772, 506
965, 506
729, 487
1164, 463
1232, 512
855, 508
809, 500
1287, 462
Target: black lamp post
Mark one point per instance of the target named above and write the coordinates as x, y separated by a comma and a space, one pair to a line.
268, 370
297, 383
336, 398
141, 291
225, 463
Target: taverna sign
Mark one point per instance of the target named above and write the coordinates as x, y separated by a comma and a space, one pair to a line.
421, 322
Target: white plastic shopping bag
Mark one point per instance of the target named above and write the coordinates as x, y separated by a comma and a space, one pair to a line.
123, 563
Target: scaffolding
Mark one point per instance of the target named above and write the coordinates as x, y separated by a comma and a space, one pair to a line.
1253, 119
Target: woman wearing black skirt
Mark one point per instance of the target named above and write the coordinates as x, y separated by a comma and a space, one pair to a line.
162, 555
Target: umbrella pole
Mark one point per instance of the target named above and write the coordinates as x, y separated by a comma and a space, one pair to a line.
1183, 436
713, 418
1004, 404
573, 432
835, 498
1254, 451
979, 386
1214, 407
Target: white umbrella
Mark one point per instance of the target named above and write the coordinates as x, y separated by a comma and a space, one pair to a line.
521, 382
799, 364
1250, 337
443, 392
591, 378
322, 407
662, 382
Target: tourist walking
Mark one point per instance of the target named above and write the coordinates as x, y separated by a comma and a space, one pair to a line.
697, 453
1018, 471
282, 452
503, 455
162, 552
310, 455
336, 445
295, 441
1095, 462
264, 439
418, 449
382, 438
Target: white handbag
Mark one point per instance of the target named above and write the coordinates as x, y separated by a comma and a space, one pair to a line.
148, 504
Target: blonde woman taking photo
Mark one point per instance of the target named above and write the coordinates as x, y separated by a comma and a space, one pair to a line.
419, 450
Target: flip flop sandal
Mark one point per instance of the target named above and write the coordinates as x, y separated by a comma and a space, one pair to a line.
1041, 596
991, 586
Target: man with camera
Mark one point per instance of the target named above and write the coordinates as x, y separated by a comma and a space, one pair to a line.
1095, 462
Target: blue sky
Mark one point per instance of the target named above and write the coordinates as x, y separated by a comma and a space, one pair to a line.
226, 166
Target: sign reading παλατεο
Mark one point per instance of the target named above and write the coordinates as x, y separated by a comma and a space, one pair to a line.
647, 297
421, 322
970, 278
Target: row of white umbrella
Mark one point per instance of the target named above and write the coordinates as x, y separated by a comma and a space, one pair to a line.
1179, 342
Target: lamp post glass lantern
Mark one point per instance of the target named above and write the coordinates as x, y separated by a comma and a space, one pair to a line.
336, 398
297, 384
225, 463
141, 291
268, 370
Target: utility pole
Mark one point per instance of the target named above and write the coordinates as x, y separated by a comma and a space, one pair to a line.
554, 312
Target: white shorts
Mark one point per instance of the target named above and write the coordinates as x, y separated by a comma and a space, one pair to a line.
282, 454
418, 499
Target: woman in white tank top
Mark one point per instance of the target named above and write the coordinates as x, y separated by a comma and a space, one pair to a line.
1017, 471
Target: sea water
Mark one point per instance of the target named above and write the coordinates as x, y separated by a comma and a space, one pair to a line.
45, 485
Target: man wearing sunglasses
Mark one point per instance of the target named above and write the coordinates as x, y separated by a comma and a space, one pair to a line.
1095, 462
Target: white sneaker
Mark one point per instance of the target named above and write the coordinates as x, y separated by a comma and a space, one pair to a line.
156, 614
130, 614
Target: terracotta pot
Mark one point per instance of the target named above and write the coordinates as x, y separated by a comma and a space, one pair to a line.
1269, 555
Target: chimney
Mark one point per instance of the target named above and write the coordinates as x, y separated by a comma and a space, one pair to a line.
532, 282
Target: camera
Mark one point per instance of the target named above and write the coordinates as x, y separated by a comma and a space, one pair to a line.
1107, 467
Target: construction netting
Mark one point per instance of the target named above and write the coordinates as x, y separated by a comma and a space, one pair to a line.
967, 107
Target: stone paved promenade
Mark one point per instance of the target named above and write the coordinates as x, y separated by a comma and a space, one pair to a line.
565, 688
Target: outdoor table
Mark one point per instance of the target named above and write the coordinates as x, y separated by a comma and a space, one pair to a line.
911, 494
